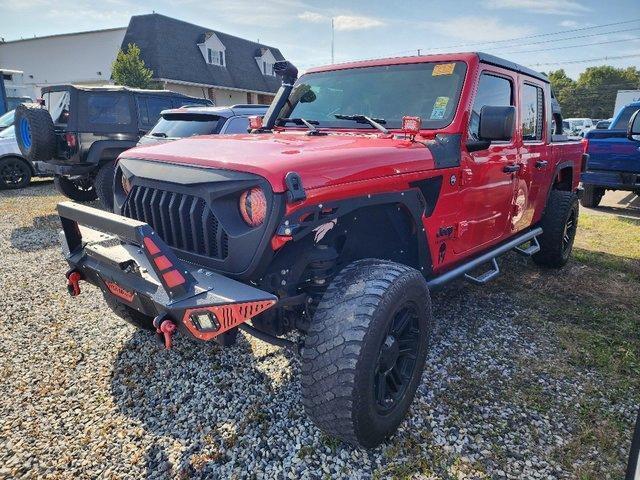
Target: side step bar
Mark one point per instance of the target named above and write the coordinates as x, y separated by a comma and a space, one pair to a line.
490, 256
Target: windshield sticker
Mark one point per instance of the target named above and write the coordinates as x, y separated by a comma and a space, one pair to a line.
443, 69
439, 108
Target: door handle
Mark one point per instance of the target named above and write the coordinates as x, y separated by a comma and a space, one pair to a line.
540, 164
514, 167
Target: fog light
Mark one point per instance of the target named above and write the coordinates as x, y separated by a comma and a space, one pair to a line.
205, 321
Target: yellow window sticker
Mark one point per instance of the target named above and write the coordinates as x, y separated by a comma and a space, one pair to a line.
443, 69
439, 108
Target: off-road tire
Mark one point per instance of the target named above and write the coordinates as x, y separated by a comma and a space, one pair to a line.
343, 346
129, 314
34, 132
71, 189
556, 241
14, 173
591, 196
103, 184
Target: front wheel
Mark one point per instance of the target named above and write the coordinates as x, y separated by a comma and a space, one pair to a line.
80, 190
559, 227
14, 173
365, 351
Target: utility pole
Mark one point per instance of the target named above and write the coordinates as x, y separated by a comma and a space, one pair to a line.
332, 41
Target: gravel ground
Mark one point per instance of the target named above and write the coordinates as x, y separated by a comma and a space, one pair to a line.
85, 395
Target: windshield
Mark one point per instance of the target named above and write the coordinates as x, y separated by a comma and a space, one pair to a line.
9, 132
386, 94
6, 119
180, 125
622, 122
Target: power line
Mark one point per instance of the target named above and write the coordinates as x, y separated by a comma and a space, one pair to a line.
586, 60
539, 35
574, 46
570, 38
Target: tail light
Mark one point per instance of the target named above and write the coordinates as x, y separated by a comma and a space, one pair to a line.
585, 144
71, 139
253, 206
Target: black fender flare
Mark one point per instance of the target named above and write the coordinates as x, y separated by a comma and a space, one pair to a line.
559, 166
94, 156
315, 215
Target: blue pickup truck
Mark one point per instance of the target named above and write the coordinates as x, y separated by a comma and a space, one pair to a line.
614, 157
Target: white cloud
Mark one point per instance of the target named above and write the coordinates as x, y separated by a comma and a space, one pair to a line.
343, 22
313, 17
355, 22
553, 7
568, 23
478, 29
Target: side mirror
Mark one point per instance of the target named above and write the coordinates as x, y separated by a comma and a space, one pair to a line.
634, 126
497, 123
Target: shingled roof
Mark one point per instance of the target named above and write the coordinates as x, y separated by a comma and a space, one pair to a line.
169, 47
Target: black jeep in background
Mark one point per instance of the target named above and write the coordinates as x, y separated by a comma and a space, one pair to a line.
78, 132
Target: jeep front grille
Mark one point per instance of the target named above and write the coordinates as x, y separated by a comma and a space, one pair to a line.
183, 221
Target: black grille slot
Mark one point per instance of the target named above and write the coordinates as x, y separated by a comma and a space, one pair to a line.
182, 221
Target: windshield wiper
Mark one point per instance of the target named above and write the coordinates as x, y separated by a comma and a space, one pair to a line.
159, 134
301, 121
374, 122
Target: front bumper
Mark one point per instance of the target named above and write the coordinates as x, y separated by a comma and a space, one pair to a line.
612, 179
130, 263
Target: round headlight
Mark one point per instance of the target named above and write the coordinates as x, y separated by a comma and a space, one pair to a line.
253, 206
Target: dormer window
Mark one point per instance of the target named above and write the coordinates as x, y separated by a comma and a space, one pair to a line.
215, 57
265, 61
213, 50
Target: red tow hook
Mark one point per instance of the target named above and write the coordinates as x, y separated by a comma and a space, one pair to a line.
73, 283
165, 327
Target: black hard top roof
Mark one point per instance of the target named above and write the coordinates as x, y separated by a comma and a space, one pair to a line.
501, 62
113, 88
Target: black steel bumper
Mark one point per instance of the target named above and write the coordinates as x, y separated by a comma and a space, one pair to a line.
128, 261
66, 170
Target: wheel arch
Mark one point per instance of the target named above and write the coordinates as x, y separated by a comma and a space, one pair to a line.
19, 157
386, 226
105, 150
563, 176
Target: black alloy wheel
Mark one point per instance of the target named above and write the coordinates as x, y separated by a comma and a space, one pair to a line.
397, 359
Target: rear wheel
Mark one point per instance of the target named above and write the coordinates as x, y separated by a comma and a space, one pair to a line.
14, 173
80, 190
103, 184
592, 196
365, 351
559, 226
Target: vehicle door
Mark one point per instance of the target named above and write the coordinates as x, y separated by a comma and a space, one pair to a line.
534, 153
487, 184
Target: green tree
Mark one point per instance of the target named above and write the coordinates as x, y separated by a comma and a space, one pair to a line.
593, 95
129, 69
597, 88
564, 88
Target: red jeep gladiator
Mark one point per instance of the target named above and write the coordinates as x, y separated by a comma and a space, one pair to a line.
365, 186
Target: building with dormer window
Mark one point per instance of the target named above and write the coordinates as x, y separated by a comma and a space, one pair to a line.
184, 57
